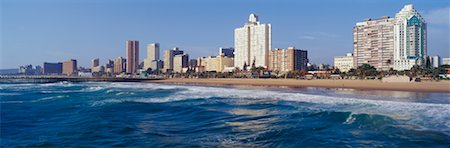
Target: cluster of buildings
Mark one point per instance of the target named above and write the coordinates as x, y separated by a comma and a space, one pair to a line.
387, 43
252, 48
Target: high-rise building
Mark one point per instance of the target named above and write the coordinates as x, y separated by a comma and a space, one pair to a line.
168, 58
344, 63
180, 61
373, 42
95, 62
119, 65
70, 67
288, 60
229, 52
152, 55
252, 43
410, 35
132, 48
52, 68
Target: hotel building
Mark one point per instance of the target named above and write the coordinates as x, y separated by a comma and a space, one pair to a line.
168, 58
132, 48
180, 61
119, 65
289, 59
52, 68
215, 63
152, 55
445, 61
373, 42
252, 42
344, 63
410, 35
69, 67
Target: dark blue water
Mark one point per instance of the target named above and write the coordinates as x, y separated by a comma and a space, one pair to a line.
147, 115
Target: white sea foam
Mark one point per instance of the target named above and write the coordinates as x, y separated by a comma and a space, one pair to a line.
436, 116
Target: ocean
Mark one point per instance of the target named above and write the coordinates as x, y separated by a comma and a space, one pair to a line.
106, 114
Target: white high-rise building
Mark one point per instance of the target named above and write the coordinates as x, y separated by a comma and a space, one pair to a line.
152, 55
252, 43
410, 39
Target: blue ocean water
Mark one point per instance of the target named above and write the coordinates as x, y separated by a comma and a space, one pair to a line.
104, 114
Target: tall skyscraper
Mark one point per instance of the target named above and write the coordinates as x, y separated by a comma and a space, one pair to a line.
410, 35
69, 67
252, 43
132, 47
288, 60
119, 65
373, 42
152, 55
168, 58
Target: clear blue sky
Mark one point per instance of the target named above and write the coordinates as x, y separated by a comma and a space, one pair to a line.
35, 31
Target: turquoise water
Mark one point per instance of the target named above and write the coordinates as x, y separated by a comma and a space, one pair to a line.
95, 114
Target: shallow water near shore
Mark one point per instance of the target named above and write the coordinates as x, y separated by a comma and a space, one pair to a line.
66, 114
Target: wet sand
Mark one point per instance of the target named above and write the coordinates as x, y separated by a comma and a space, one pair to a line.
441, 86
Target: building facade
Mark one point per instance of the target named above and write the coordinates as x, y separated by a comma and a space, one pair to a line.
168, 58
119, 65
95, 62
435, 61
288, 60
132, 49
344, 63
373, 43
70, 67
180, 62
229, 52
152, 55
252, 43
52, 68
410, 35
445, 61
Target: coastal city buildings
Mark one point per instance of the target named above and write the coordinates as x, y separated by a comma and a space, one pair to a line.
344, 63
180, 62
373, 42
119, 65
52, 68
152, 56
252, 43
215, 63
445, 61
69, 67
410, 35
109, 67
289, 59
168, 58
95, 62
435, 61
132, 49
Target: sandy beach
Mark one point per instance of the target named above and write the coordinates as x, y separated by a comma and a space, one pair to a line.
441, 86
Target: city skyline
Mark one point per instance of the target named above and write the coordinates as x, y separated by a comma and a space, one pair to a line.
105, 47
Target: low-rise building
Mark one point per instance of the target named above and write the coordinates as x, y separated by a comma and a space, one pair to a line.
215, 63
344, 63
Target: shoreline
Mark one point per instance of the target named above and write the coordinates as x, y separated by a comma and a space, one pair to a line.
441, 86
